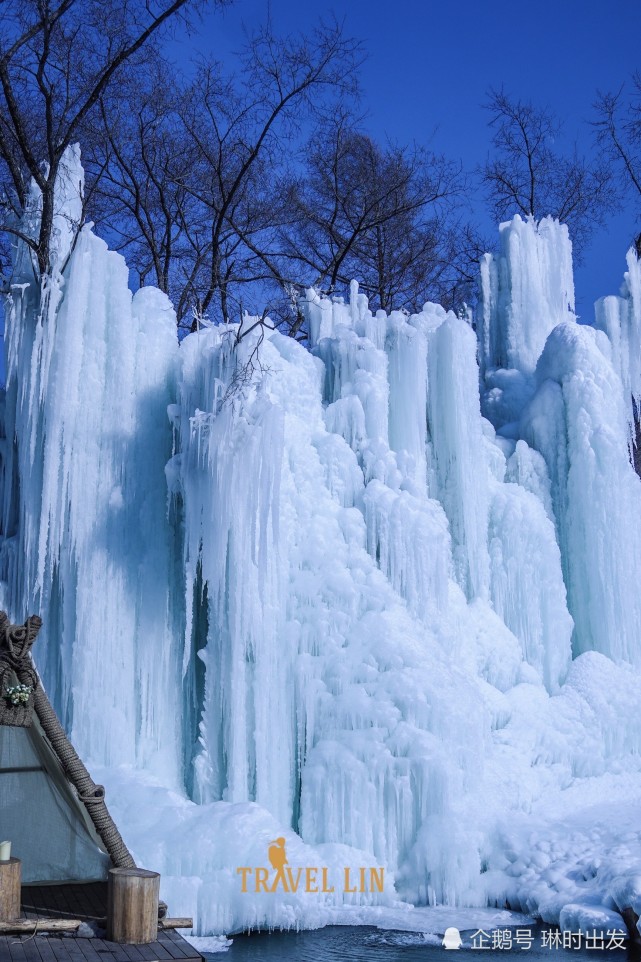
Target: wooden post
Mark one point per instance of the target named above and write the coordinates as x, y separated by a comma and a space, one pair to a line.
132, 906
10, 882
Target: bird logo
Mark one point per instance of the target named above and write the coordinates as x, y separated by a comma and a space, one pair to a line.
452, 938
277, 855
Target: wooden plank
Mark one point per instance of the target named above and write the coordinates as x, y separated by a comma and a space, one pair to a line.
79, 897
189, 954
70, 945
101, 948
69, 900
46, 951
175, 944
68, 903
29, 902
118, 952
99, 894
86, 901
88, 949
15, 950
57, 947
51, 901
181, 942
180, 948
62, 898
164, 950
52, 897
31, 949
147, 952
134, 953
47, 948
91, 898
97, 899
161, 952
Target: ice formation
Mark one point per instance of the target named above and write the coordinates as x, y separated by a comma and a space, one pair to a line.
620, 318
315, 593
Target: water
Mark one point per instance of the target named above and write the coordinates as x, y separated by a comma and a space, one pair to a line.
368, 944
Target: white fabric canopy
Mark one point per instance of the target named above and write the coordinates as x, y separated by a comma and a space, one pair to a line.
41, 815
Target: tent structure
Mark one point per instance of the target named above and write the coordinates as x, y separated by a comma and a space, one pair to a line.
39, 812
51, 810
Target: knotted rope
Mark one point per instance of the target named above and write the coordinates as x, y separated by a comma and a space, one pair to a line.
15, 651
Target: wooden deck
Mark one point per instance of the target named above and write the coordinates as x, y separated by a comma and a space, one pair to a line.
89, 903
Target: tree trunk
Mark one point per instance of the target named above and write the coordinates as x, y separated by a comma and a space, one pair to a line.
46, 226
10, 882
132, 905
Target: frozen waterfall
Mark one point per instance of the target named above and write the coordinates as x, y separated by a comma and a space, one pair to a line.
333, 593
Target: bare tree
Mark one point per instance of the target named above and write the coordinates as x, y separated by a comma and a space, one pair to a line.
136, 159
57, 59
191, 178
245, 135
618, 129
531, 175
387, 216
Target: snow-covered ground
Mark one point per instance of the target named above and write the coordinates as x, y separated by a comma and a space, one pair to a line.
350, 596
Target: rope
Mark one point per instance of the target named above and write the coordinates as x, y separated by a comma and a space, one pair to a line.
90, 794
15, 646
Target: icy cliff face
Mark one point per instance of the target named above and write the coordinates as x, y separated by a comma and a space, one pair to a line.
577, 421
526, 290
89, 375
620, 318
312, 593
570, 398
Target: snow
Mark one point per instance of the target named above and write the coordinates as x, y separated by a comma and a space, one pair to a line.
315, 594
210, 943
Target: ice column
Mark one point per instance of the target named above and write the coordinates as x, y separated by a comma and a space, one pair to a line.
620, 318
577, 421
460, 463
89, 378
526, 290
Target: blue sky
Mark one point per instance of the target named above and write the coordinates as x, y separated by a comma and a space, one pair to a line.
429, 64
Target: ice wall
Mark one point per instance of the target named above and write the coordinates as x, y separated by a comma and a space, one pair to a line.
313, 593
566, 390
332, 617
620, 318
89, 377
312, 658
578, 423
526, 290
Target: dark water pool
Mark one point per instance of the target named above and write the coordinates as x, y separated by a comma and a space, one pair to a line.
367, 944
